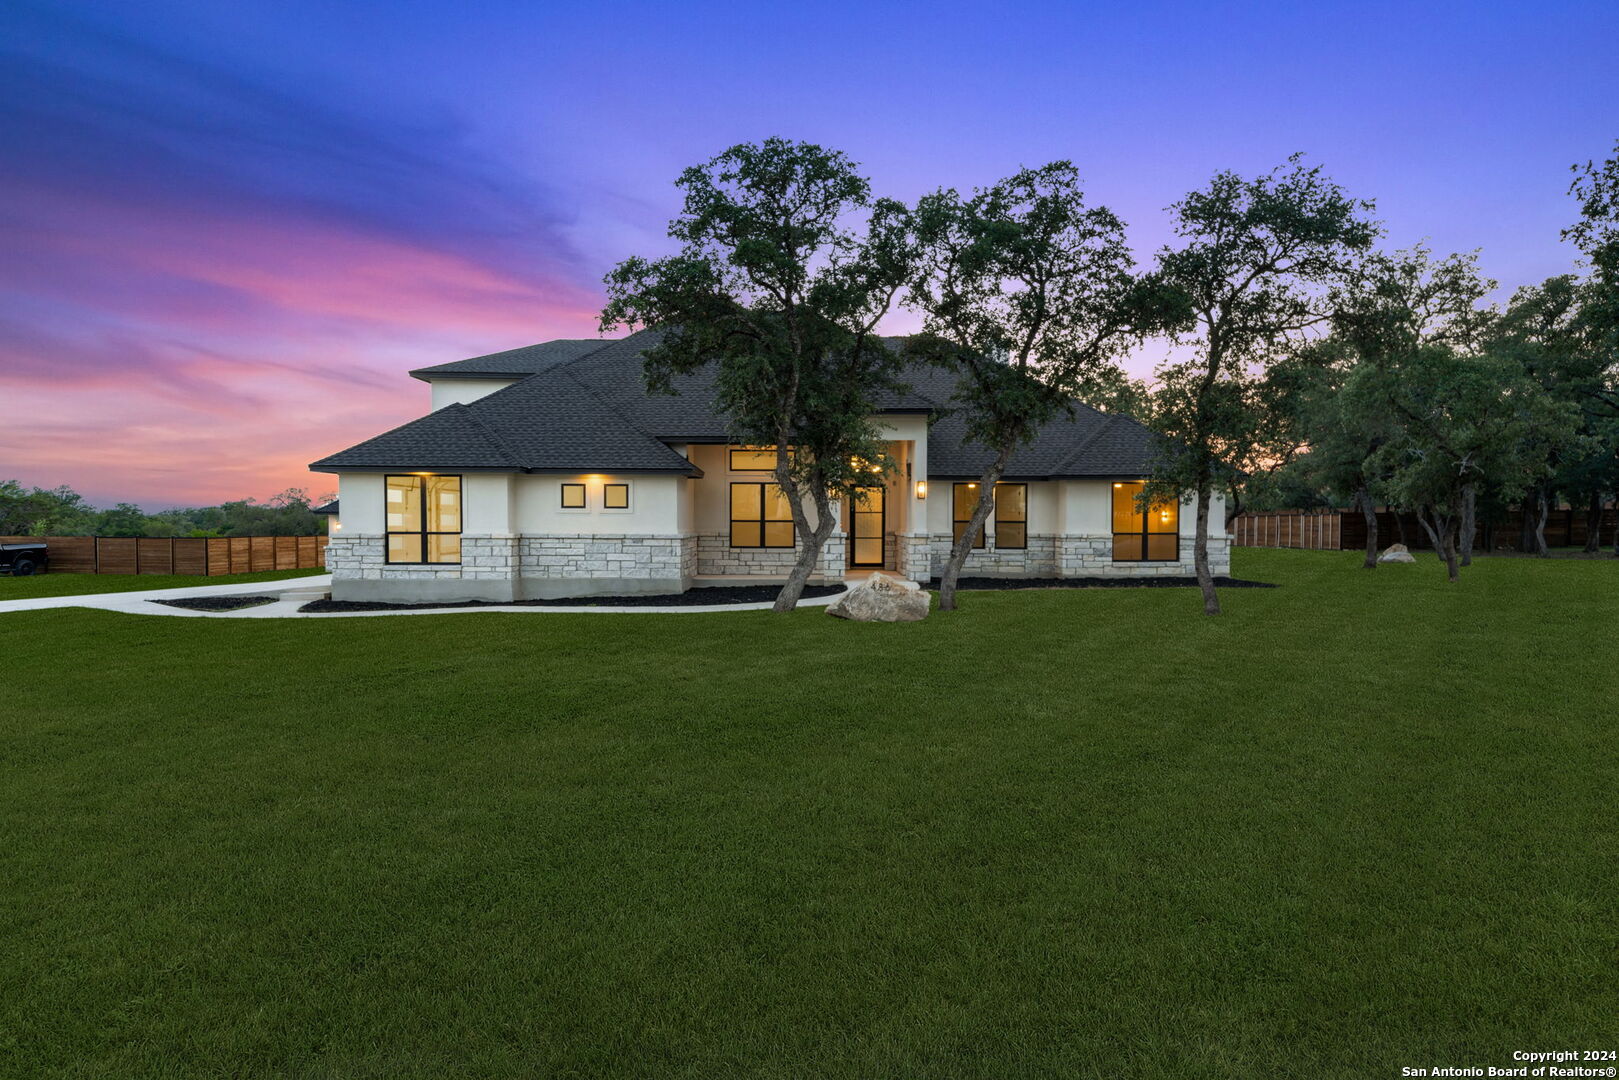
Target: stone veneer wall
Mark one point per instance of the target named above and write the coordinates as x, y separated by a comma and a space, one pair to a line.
625, 556
1074, 556
913, 556
517, 567
716, 557
1092, 556
1039, 559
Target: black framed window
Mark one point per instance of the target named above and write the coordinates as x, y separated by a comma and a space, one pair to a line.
1011, 515
1150, 535
963, 499
753, 459
615, 496
760, 516
424, 519
573, 496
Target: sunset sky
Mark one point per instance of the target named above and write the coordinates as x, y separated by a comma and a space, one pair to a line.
229, 229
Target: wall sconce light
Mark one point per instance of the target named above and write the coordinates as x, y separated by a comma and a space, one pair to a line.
921, 489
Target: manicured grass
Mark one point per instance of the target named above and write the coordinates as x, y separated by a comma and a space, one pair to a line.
53, 584
1362, 821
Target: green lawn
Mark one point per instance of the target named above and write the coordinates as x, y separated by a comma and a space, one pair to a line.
52, 584
1360, 822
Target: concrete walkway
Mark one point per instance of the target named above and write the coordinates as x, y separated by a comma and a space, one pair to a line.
294, 593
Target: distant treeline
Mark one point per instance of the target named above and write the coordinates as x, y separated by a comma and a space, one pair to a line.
61, 511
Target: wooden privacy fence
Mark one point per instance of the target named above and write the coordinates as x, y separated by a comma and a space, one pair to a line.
1345, 530
1314, 530
210, 557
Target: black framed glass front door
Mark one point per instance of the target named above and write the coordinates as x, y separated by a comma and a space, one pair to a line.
868, 520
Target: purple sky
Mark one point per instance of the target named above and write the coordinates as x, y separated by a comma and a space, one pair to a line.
231, 228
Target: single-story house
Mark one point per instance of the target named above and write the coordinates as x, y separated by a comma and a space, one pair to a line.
550, 471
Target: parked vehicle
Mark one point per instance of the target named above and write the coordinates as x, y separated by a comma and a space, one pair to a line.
21, 560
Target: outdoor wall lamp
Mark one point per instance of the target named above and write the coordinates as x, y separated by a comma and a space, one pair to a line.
921, 489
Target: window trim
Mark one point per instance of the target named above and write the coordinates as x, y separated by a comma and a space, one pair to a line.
731, 521
1145, 534
584, 496
1023, 521
606, 507
423, 532
983, 530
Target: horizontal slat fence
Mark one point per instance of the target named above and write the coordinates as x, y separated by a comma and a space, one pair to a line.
188, 555
1345, 530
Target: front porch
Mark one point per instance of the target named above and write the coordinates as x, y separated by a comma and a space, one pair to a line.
744, 533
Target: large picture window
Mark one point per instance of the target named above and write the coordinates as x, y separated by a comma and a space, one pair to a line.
424, 519
964, 497
1011, 515
760, 516
1152, 535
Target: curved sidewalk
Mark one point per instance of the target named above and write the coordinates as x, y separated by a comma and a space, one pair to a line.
293, 593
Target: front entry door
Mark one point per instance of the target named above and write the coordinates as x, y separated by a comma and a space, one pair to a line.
868, 520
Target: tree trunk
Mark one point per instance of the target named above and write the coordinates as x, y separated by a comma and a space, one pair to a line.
1433, 537
1368, 510
1444, 531
1526, 524
963, 545
1616, 526
814, 539
1200, 550
1399, 526
1593, 524
1469, 522
1542, 509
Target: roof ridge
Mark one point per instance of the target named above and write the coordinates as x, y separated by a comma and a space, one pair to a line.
625, 420
1107, 425
492, 435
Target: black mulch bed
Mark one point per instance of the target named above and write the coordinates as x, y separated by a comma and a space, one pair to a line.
708, 595
968, 583
216, 603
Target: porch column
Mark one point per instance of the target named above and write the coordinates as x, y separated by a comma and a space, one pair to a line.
915, 542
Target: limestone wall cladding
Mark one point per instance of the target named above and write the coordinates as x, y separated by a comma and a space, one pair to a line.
628, 556
365, 558
913, 556
1072, 556
1092, 556
1039, 559
716, 557
632, 556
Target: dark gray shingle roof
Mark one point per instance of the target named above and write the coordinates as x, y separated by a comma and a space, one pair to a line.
582, 405
528, 360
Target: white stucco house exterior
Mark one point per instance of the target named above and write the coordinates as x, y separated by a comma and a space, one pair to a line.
549, 471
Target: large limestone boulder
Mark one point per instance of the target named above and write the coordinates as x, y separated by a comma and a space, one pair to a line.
1396, 553
881, 598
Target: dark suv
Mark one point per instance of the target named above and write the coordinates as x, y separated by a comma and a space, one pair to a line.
20, 560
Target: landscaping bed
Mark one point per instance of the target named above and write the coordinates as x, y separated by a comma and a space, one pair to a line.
713, 595
1098, 583
216, 603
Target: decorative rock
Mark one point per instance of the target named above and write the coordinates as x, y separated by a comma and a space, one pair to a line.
1396, 553
881, 598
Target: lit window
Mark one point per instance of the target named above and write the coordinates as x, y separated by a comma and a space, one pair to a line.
1152, 535
760, 517
964, 497
573, 496
753, 459
1011, 515
616, 496
424, 519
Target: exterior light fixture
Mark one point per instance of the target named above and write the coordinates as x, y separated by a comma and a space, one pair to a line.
921, 489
